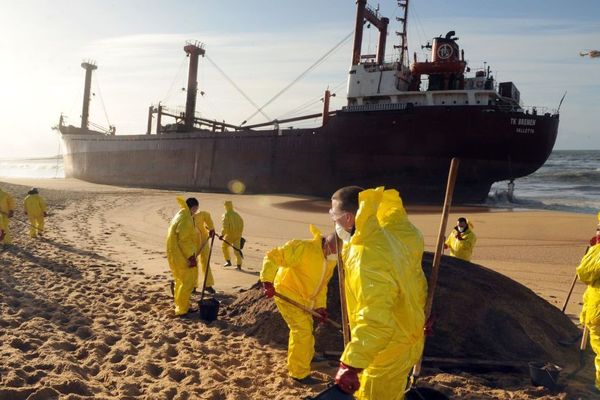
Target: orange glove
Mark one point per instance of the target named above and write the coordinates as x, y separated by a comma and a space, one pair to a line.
268, 289
347, 378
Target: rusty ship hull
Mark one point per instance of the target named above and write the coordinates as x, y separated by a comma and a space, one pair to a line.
408, 149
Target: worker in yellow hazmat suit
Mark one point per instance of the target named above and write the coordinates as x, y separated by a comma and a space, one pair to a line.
35, 209
182, 246
233, 226
206, 230
300, 270
461, 240
588, 272
384, 298
7, 209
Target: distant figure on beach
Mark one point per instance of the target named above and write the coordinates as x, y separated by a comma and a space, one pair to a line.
588, 272
206, 230
7, 209
36, 211
461, 240
384, 301
300, 270
182, 248
231, 231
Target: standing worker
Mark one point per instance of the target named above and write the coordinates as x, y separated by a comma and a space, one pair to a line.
300, 270
588, 272
206, 230
182, 246
35, 209
462, 240
384, 299
7, 209
233, 226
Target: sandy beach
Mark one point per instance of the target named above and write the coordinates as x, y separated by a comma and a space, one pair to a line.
86, 312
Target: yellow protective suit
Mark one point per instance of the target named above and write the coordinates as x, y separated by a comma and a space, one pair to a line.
384, 302
35, 208
233, 226
7, 204
462, 249
589, 273
392, 217
299, 270
182, 243
204, 224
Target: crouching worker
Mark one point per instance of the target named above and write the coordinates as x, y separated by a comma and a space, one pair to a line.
35, 208
300, 270
182, 246
461, 240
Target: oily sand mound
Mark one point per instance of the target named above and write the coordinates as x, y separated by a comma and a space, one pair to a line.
479, 313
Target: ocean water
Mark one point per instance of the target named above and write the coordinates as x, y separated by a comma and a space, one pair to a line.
51, 167
568, 181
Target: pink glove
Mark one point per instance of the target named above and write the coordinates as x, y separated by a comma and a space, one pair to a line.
268, 289
459, 236
347, 378
192, 262
324, 315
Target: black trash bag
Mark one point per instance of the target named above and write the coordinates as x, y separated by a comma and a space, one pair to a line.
331, 393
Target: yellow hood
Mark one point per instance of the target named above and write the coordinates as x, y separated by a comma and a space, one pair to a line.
228, 206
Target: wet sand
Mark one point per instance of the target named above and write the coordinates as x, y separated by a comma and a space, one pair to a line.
86, 311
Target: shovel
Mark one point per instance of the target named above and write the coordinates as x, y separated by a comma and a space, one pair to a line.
235, 248
308, 310
209, 307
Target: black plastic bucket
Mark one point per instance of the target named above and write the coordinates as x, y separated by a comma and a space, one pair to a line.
331, 393
209, 309
423, 393
544, 374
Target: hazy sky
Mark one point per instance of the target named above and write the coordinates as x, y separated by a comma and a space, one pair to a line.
263, 45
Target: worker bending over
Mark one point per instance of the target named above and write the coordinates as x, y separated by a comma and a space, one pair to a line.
300, 270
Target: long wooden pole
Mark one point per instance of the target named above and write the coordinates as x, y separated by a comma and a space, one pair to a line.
342, 284
438, 252
307, 310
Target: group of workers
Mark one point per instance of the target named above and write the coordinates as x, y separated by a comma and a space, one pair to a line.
384, 285
34, 207
189, 240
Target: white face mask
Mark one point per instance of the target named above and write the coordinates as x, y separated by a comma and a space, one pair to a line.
461, 229
332, 257
342, 233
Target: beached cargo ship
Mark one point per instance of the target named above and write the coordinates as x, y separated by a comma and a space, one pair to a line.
393, 131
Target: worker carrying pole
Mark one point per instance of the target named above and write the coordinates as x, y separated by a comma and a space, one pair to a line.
385, 294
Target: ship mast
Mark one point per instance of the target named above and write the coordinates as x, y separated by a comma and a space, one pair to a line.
403, 37
193, 50
89, 66
364, 13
